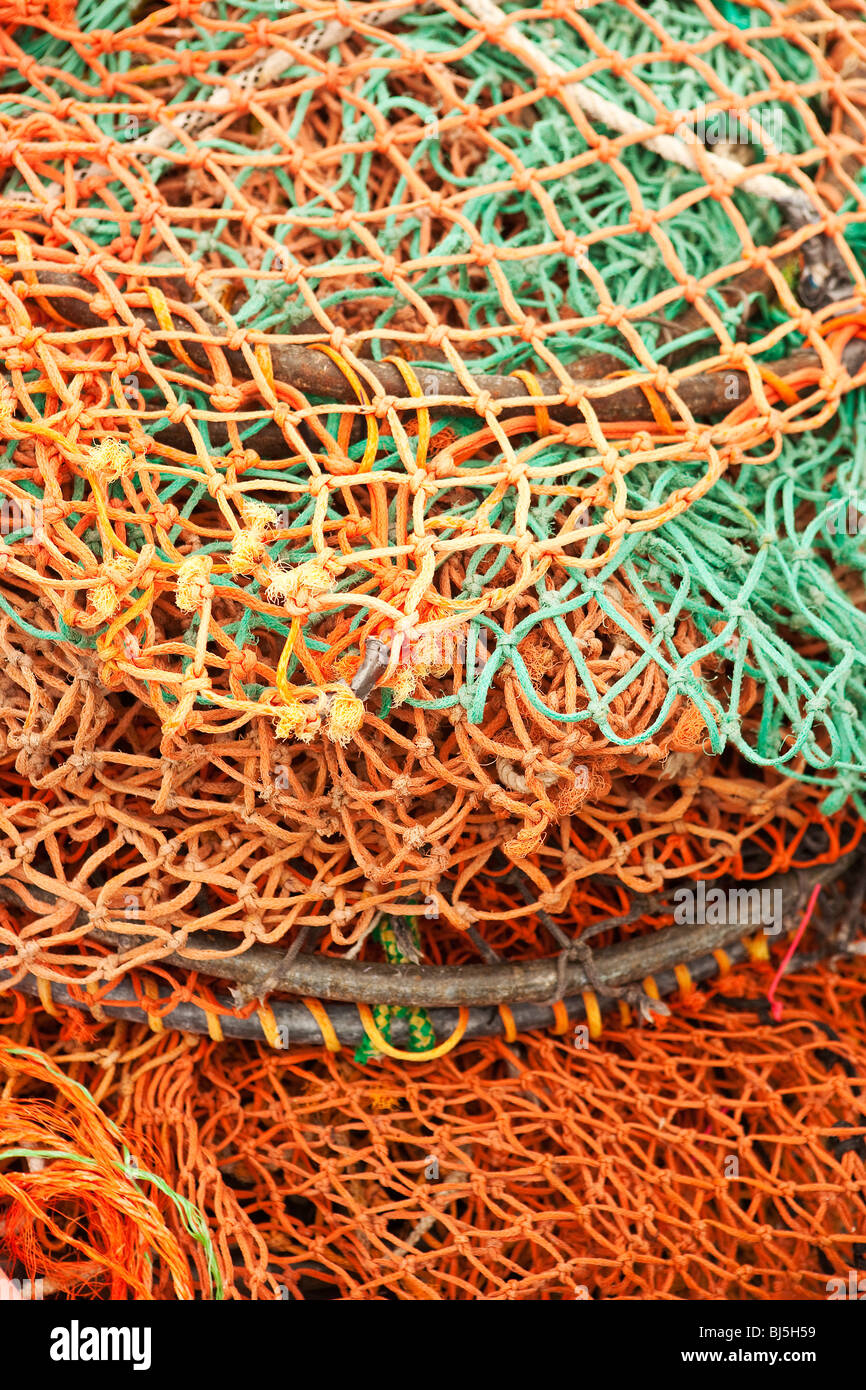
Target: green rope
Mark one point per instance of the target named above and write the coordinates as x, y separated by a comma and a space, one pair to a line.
421, 1035
762, 555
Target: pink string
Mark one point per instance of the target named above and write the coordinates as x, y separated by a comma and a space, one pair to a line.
775, 1004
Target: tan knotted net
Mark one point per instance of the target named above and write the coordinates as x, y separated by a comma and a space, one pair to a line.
432, 490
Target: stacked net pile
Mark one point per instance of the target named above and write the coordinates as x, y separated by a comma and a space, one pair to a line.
718, 1156
269, 473
432, 502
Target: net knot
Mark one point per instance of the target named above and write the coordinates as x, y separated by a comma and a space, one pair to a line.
187, 60
423, 546
32, 336
485, 404
525, 544
572, 245
550, 83
643, 219
111, 581
24, 741
246, 551
298, 721
604, 149
678, 52
302, 584
242, 662
229, 398
259, 516
346, 717
179, 413
164, 515
17, 360
817, 704
77, 414
832, 225
193, 587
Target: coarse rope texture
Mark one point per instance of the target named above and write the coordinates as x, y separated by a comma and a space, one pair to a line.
77, 1205
316, 615
202, 212
432, 503
718, 1155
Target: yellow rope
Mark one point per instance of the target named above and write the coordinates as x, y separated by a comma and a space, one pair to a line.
382, 1045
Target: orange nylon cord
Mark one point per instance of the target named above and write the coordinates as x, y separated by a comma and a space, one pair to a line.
159, 304
24, 247
414, 387
660, 412
105, 643
265, 1015
542, 414
45, 996
562, 1022
357, 386
684, 979
262, 355
287, 691
154, 1021
783, 388
508, 1023
593, 1013
758, 947
724, 961
320, 1014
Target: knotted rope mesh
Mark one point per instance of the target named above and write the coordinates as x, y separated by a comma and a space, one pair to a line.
715, 1156
431, 499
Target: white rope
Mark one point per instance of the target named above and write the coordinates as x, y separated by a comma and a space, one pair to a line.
266, 68
600, 109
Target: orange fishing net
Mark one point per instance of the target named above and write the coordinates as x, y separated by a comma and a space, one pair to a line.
432, 488
246, 499
717, 1155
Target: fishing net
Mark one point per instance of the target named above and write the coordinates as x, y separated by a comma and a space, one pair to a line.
80, 1212
719, 1155
233, 244
432, 502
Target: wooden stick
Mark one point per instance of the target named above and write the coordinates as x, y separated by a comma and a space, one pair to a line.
705, 394
444, 986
